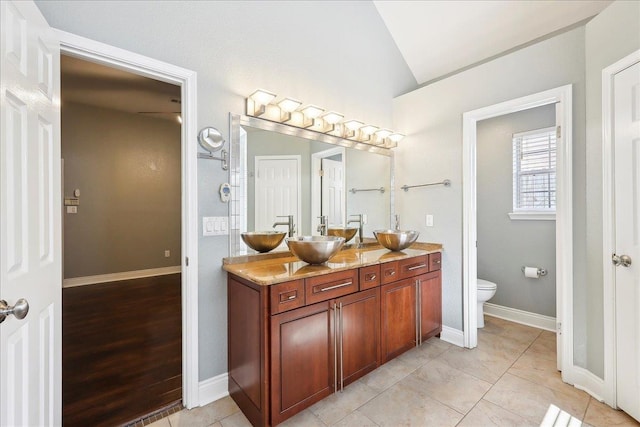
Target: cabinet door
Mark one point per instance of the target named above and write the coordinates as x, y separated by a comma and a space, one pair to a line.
398, 318
358, 335
302, 359
430, 304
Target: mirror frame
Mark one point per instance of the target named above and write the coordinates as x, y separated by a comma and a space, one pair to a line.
237, 120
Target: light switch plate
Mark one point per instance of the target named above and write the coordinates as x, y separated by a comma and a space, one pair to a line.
429, 220
215, 225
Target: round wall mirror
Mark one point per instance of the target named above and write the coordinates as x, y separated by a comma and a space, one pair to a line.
210, 139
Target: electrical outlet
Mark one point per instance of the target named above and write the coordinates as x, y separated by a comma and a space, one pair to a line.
167, 253
429, 220
72, 209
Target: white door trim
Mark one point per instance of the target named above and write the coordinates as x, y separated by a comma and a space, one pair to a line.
73, 45
564, 211
608, 230
315, 182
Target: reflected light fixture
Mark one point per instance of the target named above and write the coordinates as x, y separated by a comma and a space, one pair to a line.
257, 102
350, 128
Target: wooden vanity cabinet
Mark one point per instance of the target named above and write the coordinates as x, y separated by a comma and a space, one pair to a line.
292, 344
410, 307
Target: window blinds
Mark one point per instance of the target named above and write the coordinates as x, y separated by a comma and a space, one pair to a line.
534, 170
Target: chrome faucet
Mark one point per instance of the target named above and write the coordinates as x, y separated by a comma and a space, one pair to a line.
289, 223
322, 227
360, 225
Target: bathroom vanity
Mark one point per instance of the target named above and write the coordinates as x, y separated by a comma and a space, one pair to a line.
298, 333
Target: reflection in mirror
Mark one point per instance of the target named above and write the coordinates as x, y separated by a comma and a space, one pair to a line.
279, 170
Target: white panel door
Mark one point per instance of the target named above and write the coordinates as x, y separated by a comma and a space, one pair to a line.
333, 191
278, 190
626, 140
30, 230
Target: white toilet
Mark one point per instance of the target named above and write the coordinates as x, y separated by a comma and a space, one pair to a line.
486, 291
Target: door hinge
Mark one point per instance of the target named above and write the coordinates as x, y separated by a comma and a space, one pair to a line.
558, 132
559, 328
186, 261
321, 172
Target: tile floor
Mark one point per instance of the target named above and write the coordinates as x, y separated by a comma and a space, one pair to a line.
508, 380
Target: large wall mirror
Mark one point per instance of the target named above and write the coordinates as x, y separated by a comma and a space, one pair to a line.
279, 170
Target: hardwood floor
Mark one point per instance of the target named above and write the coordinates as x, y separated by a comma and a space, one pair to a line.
121, 350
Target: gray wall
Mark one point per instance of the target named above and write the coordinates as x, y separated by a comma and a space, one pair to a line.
610, 36
336, 54
504, 245
127, 168
432, 151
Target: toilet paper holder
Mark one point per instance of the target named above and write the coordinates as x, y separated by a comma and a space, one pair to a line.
541, 271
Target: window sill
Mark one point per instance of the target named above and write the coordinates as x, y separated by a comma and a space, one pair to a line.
532, 216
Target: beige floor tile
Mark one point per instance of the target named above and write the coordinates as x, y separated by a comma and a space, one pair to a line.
236, 420
387, 375
356, 419
164, 422
532, 400
205, 415
502, 345
408, 404
428, 351
305, 418
530, 366
337, 406
515, 331
451, 386
545, 346
487, 366
601, 415
487, 414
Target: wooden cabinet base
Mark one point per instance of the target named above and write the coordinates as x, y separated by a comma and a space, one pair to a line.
295, 343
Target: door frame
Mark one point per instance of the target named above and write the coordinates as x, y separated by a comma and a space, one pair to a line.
564, 215
83, 48
608, 225
316, 185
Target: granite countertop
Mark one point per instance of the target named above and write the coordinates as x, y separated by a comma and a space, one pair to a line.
278, 267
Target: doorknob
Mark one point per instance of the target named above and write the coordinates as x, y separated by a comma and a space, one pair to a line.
623, 260
20, 309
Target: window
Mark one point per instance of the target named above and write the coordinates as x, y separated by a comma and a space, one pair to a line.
534, 174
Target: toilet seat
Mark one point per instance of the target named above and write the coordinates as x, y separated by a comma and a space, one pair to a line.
486, 285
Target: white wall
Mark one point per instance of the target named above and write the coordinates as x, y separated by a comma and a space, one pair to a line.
610, 36
432, 151
335, 54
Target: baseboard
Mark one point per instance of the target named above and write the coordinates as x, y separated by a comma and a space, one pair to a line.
453, 336
213, 389
520, 316
586, 381
124, 275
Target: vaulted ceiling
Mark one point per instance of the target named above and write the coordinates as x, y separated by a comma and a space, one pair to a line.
438, 38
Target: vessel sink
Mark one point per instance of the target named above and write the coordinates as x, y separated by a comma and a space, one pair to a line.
314, 249
263, 241
346, 232
396, 240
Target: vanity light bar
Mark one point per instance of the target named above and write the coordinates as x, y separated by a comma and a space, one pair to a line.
288, 110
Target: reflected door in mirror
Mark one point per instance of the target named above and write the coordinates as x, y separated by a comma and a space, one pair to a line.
277, 189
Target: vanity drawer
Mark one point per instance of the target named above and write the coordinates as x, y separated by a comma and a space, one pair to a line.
414, 266
369, 277
389, 272
435, 261
334, 285
286, 296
